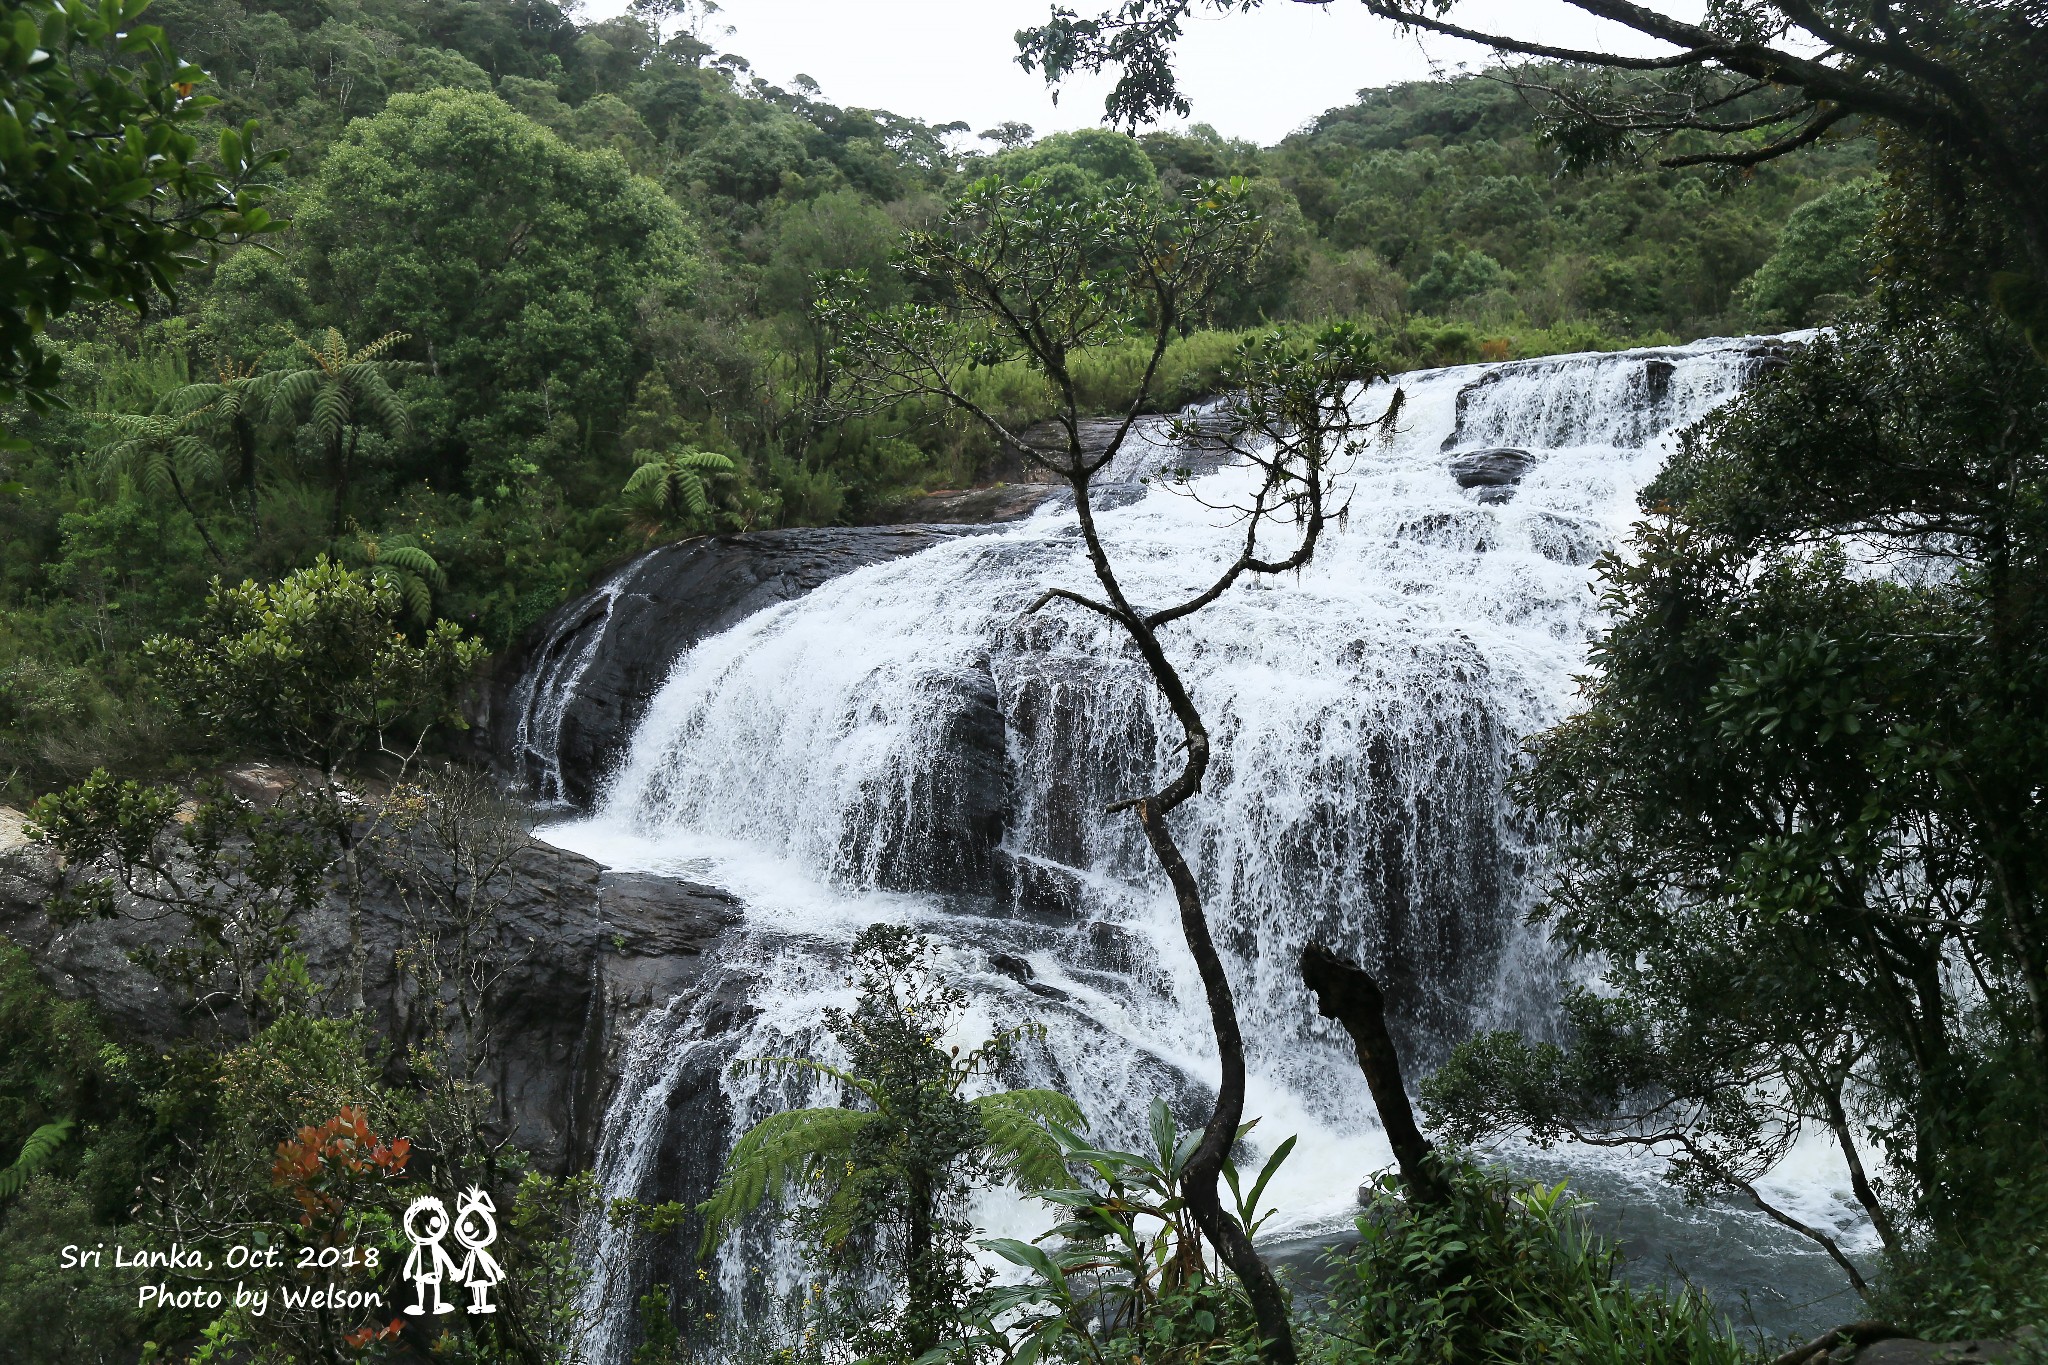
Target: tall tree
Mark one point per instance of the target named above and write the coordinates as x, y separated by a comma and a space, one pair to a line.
161, 452
230, 405
1016, 272
521, 264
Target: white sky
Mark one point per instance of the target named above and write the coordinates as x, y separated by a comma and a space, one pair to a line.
1257, 76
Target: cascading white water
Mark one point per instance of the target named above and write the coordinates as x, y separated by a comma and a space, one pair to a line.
1366, 712
544, 693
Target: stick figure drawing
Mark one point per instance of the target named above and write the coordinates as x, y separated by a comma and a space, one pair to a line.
476, 1229
428, 1263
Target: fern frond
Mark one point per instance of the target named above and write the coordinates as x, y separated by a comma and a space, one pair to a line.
381, 402
42, 1144
709, 460
418, 597
293, 389
330, 409
156, 471
645, 475
377, 347
775, 1151
1018, 1137
413, 559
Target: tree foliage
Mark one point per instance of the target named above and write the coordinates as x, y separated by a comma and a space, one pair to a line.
1806, 759
313, 668
105, 192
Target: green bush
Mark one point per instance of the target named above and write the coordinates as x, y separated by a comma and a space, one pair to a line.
1507, 1273
1989, 1279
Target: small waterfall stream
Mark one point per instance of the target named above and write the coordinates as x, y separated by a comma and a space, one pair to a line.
903, 743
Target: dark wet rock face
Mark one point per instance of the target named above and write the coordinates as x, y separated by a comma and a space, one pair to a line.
941, 833
583, 952
975, 506
564, 703
1493, 472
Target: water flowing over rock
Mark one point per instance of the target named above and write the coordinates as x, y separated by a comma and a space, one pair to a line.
577, 688
903, 742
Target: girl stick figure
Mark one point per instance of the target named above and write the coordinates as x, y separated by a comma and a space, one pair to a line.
476, 1229
426, 1223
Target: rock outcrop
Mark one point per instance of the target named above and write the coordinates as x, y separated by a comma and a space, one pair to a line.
1495, 473
580, 952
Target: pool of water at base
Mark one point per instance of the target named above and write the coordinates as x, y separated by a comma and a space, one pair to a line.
1773, 1285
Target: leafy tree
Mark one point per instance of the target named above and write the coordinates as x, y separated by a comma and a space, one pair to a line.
1021, 273
233, 880
342, 393
1794, 771
901, 1160
1008, 134
1086, 162
313, 669
520, 263
1822, 258
104, 192
1455, 275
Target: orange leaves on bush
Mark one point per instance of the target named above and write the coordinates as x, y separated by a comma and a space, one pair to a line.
321, 1160
363, 1337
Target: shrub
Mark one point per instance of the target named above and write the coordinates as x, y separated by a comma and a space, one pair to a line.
1505, 1273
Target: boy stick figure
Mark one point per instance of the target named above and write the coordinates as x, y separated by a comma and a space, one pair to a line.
426, 1223
476, 1229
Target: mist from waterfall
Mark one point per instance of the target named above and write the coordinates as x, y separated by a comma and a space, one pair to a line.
823, 758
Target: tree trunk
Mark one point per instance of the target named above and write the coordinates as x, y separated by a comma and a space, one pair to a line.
245, 442
921, 1324
1345, 992
198, 523
1205, 1164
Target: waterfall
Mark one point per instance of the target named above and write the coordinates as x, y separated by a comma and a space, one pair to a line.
904, 743
543, 695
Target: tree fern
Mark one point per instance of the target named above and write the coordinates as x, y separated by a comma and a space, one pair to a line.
672, 485
901, 1161
163, 454
1018, 1137
815, 1145
401, 563
342, 392
36, 1153
228, 408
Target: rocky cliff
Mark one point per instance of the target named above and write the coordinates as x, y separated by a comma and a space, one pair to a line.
583, 952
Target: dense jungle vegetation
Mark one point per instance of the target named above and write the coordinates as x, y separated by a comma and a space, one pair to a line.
596, 244
340, 342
